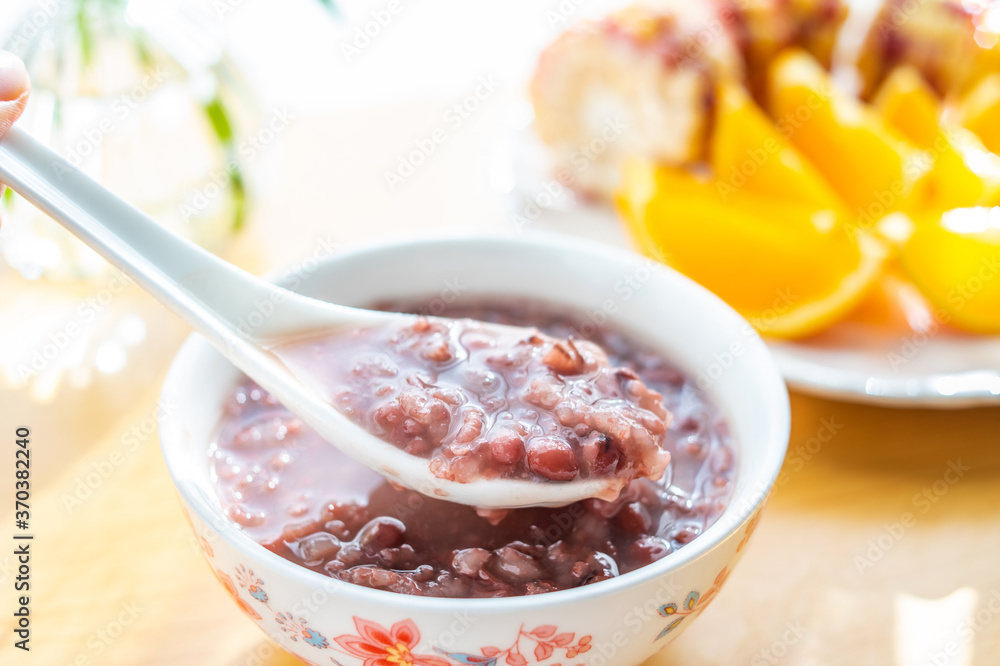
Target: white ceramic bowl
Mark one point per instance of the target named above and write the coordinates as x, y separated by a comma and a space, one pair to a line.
621, 621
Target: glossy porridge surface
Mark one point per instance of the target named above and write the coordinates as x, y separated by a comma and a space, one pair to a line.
482, 401
301, 498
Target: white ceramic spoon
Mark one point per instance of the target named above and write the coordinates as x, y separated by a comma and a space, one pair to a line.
244, 316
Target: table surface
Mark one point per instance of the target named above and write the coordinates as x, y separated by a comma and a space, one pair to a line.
832, 575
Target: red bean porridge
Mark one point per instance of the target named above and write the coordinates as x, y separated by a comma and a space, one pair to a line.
481, 401
304, 500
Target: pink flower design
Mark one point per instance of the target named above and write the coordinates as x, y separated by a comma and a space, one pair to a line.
751, 526
548, 642
206, 546
230, 586
379, 646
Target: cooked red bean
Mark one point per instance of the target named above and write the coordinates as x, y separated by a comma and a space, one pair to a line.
552, 459
507, 446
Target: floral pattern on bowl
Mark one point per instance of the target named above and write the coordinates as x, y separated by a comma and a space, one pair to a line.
376, 645
692, 606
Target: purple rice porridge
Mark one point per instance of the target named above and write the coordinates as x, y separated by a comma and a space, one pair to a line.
481, 401
301, 498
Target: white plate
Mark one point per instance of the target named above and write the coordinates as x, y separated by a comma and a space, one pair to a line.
943, 369
919, 370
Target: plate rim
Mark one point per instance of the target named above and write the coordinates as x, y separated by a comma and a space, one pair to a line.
850, 386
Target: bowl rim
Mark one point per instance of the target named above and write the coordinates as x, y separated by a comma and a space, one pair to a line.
771, 390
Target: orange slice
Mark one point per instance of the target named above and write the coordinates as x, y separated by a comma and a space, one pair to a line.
956, 264
894, 305
908, 105
866, 162
962, 172
747, 150
979, 111
791, 269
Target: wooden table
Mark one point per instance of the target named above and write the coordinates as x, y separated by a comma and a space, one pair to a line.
880, 545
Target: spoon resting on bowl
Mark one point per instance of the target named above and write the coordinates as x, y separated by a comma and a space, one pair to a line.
418, 396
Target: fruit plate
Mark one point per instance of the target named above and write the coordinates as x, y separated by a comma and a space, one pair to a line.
934, 369
940, 368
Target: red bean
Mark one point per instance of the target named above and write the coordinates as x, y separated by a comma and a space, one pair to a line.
381, 533
317, 547
513, 566
553, 459
470, 561
506, 446
634, 519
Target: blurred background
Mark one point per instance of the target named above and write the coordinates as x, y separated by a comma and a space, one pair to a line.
272, 131
233, 121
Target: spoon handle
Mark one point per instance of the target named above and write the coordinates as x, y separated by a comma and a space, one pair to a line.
224, 303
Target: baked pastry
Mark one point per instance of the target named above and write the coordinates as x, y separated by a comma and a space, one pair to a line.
766, 27
952, 43
639, 82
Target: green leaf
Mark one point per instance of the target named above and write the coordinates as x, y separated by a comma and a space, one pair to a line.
83, 28
239, 197
219, 118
